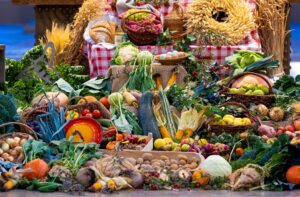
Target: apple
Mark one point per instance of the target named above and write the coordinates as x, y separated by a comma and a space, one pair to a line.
185, 147
281, 128
193, 150
290, 128
290, 134
279, 131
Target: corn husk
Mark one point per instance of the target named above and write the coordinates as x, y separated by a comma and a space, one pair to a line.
208, 31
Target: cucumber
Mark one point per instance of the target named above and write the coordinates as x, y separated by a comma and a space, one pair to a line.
146, 116
104, 122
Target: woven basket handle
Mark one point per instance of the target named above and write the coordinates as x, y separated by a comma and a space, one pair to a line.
76, 97
234, 78
179, 9
36, 110
238, 105
29, 130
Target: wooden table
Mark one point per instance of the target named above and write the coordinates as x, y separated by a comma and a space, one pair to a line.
48, 11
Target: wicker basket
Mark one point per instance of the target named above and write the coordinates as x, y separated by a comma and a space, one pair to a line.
88, 105
30, 134
175, 22
218, 129
30, 115
171, 62
138, 38
248, 99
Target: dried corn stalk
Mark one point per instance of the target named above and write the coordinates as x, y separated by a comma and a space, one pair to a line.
89, 10
272, 16
60, 37
220, 22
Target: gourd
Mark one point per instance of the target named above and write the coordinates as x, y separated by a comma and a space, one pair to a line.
39, 169
146, 116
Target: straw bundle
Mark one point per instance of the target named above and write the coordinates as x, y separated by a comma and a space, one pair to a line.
272, 16
60, 37
89, 10
216, 22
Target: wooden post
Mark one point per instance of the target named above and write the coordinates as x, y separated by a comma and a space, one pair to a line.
2, 66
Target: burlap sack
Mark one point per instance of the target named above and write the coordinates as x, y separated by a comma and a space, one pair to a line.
119, 75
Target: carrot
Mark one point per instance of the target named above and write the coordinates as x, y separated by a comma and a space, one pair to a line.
172, 79
161, 121
187, 133
179, 135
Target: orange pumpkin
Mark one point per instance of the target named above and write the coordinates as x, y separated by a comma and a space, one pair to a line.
293, 175
88, 98
39, 169
200, 177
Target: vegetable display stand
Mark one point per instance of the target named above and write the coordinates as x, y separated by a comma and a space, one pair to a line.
218, 129
267, 99
119, 75
85, 104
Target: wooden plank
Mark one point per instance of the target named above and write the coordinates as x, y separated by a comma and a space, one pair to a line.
49, 2
2, 65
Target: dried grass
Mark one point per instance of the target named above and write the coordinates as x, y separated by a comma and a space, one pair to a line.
60, 37
272, 16
239, 23
89, 10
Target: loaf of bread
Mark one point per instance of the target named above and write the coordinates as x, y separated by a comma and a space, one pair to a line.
103, 31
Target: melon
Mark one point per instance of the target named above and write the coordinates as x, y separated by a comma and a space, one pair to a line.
249, 79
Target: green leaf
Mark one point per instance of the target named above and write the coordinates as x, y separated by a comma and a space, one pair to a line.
64, 86
122, 124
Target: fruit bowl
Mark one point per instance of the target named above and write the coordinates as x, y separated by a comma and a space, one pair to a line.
169, 59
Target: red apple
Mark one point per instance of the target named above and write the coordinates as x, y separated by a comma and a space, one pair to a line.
281, 128
290, 128
290, 134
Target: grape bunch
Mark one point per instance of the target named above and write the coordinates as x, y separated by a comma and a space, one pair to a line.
137, 16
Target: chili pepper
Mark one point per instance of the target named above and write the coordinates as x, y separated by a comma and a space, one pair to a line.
49, 187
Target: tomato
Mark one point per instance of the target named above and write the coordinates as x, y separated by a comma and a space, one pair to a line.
96, 113
85, 111
239, 151
289, 128
111, 127
104, 101
89, 115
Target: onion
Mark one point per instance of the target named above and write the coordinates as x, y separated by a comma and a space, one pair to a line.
17, 139
5, 156
18, 149
5, 147
14, 144
13, 153
9, 141
262, 110
1, 151
22, 141
10, 158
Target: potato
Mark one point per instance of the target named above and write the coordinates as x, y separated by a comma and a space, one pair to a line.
193, 165
13, 153
162, 163
147, 156
168, 162
182, 162
132, 160
5, 156
140, 161
164, 157
174, 166
183, 157
174, 161
156, 164
10, 158
147, 162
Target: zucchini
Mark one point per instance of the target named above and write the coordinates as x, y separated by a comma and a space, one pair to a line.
105, 122
146, 116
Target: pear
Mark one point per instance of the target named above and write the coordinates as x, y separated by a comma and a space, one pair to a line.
241, 91
238, 122
264, 88
258, 92
233, 90
249, 86
249, 92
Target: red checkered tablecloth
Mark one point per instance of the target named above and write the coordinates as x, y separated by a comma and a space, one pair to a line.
100, 57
